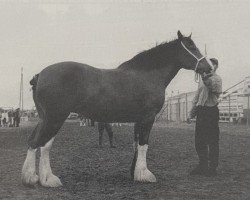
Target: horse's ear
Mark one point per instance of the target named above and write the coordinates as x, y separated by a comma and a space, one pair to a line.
190, 35
180, 36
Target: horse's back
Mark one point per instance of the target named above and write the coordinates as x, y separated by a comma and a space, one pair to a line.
64, 70
58, 84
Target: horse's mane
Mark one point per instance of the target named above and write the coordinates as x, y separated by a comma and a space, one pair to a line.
155, 57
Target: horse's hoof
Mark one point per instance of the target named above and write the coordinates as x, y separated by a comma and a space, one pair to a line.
144, 176
50, 180
29, 179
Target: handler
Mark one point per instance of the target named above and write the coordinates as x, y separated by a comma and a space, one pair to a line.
101, 127
207, 122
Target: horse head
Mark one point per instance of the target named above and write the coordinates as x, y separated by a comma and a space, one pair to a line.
190, 57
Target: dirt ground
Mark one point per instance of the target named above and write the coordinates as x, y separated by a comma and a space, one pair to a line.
89, 172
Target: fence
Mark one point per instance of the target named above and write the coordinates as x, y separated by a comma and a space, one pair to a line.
233, 107
176, 108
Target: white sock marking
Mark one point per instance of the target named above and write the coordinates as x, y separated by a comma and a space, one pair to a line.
47, 178
141, 172
29, 176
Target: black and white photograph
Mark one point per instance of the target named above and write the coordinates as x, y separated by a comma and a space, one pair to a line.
124, 99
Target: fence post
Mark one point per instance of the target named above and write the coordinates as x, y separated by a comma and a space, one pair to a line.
247, 110
179, 110
167, 110
170, 108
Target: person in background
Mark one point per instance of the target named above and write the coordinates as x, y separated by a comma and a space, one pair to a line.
4, 122
17, 117
207, 122
101, 127
82, 120
10, 116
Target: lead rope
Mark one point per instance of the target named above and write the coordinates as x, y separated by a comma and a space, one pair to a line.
197, 77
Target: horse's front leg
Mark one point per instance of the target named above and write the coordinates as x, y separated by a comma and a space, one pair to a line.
141, 172
137, 129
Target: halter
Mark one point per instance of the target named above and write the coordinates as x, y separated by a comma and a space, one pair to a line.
197, 59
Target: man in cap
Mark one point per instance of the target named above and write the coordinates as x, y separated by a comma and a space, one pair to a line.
205, 108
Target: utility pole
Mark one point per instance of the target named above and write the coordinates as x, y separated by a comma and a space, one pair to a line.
186, 101
248, 110
229, 108
21, 92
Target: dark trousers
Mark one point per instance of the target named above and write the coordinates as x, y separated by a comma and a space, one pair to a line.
16, 122
207, 136
101, 127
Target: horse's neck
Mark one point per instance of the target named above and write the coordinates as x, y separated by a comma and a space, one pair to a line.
159, 64
168, 64
170, 73
165, 75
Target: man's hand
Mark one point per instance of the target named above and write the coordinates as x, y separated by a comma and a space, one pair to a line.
205, 76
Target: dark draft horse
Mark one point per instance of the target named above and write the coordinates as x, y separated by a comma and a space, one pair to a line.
134, 92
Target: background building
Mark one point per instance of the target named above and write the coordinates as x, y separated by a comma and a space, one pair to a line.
233, 106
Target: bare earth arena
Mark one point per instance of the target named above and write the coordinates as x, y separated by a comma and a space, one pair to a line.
90, 172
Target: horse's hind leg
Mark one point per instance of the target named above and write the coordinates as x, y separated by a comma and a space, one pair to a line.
47, 178
45, 140
29, 176
43, 137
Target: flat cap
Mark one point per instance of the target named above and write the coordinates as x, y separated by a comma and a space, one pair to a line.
214, 61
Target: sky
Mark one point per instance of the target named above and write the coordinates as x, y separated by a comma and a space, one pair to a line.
35, 34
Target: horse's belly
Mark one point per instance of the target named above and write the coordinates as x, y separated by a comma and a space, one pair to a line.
113, 113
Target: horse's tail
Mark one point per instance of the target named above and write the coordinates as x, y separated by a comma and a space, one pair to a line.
33, 82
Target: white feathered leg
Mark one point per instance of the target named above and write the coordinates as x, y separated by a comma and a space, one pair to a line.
47, 178
141, 172
29, 176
